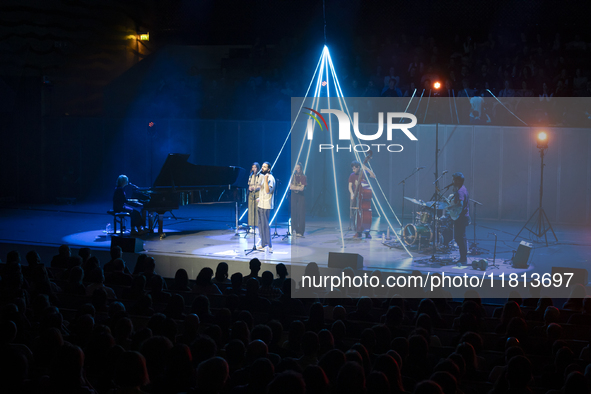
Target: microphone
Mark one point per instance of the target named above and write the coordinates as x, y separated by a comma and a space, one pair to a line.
448, 186
132, 185
445, 172
420, 168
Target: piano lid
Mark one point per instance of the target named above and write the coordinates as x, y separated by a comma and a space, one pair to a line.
178, 173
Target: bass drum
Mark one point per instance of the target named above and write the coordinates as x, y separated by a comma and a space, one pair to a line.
445, 230
413, 234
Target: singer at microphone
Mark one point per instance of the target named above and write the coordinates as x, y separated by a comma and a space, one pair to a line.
253, 195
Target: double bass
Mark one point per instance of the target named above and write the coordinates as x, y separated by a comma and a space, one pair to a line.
363, 197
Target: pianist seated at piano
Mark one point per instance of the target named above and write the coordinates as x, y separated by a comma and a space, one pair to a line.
122, 204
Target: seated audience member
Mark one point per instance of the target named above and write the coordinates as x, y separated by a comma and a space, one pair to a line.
221, 275
212, 375
118, 276
203, 283
538, 313
149, 269
287, 382
252, 301
98, 283
61, 260
282, 274
131, 374
73, 261
140, 264
201, 308
35, 265
236, 287
551, 315
315, 320
176, 307
13, 257
255, 267
510, 310
90, 264
157, 290
116, 253
33, 258
428, 387
74, 284
136, 290
181, 281
583, 318
363, 311
575, 301
143, 306
84, 254
66, 371
267, 290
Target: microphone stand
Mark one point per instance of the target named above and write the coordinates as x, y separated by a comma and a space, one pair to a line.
254, 233
288, 234
434, 207
494, 264
403, 194
275, 234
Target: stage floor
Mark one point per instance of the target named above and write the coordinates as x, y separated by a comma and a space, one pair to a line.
202, 234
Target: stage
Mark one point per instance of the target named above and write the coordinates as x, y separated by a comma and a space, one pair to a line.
201, 235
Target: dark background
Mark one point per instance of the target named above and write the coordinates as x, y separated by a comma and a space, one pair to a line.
77, 89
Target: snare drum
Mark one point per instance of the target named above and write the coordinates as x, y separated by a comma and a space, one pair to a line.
413, 233
425, 217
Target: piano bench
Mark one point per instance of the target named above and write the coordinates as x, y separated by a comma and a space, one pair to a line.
118, 218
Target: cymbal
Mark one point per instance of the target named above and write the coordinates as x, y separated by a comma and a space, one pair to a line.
438, 204
415, 201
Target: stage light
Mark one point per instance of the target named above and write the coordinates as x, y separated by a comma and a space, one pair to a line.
436, 85
144, 36
542, 140
151, 129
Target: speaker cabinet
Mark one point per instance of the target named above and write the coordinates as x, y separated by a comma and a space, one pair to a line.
344, 260
521, 258
580, 275
127, 244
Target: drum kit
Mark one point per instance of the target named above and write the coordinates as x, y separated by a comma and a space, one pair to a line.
421, 231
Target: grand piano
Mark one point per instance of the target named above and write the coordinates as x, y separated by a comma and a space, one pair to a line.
180, 183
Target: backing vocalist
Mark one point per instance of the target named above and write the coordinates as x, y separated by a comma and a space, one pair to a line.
253, 193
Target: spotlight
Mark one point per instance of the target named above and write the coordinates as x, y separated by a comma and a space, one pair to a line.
542, 140
151, 129
436, 85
